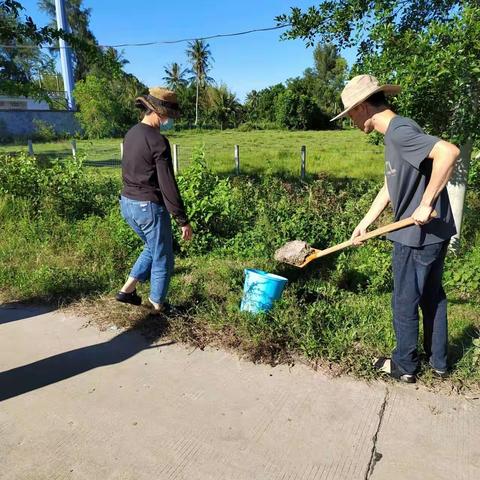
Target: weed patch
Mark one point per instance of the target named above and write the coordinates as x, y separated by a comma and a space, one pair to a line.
63, 240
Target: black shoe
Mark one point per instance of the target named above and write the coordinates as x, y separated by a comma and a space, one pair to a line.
131, 298
386, 365
438, 373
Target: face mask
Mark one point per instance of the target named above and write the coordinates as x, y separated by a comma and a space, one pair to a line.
168, 124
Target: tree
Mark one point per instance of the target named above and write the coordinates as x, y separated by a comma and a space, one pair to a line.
329, 74
106, 104
297, 111
78, 19
21, 59
260, 106
225, 106
430, 48
186, 96
22, 64
200, 57
251, 105
98, 107
175, 76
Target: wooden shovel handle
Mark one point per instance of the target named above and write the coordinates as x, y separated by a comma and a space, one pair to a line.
391, 227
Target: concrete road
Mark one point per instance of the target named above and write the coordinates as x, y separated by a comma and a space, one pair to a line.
77, 403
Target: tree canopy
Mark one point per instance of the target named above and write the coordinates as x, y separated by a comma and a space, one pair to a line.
432, 49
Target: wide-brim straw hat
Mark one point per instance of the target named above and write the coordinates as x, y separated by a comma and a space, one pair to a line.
161, 100
359, 88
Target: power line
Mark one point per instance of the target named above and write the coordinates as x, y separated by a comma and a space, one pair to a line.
161, 42
220, 35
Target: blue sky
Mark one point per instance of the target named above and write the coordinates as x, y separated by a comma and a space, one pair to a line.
244, 63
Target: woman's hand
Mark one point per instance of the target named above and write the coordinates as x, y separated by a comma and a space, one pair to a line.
187, 232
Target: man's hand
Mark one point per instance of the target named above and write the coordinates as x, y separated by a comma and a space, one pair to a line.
187, 232
422, 214
360, 229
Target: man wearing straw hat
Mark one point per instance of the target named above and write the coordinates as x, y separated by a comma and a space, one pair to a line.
150, 193
417, 169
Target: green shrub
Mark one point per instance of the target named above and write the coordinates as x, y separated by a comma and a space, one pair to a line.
44, 131
70, 191
62, 187
463, 272
474, 174
257, 125
20, 176
209, 202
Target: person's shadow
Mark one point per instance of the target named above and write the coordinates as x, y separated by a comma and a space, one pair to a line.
59, 367
13, 311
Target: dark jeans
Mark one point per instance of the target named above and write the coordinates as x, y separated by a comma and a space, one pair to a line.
417, 278
151, 222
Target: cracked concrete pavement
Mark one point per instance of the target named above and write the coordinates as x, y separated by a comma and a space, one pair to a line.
79, 403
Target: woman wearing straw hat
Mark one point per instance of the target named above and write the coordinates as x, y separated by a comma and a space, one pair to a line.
150, 193
417, 169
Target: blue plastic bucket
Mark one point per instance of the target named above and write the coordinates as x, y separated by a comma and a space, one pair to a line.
260, 290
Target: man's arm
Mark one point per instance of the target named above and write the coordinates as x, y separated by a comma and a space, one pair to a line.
444, 156
378, 206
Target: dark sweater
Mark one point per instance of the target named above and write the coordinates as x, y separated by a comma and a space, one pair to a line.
147, 170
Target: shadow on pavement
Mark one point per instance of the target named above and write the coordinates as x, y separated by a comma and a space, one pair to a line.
11, 312
65, 365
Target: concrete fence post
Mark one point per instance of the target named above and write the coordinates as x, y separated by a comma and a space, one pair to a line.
237, 159
303, 165
175, 159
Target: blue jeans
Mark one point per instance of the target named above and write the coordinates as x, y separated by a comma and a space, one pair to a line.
417, 278
152, 224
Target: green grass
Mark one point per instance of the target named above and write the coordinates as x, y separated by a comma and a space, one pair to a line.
344, 153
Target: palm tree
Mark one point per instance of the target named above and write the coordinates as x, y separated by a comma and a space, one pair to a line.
225, 106
175, 76
198, 52
251, 105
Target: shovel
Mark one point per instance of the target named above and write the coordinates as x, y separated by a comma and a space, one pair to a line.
314, 253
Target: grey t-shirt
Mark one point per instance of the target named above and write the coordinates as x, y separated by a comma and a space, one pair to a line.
408, 171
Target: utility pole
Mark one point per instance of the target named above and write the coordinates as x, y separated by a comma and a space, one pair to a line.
65, 54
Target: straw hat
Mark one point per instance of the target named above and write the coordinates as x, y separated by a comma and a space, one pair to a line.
359, 88
161, 100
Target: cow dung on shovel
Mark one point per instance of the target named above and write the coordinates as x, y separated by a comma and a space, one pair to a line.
294, 253
300, 254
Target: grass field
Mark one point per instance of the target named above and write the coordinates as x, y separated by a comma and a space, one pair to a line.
341, 153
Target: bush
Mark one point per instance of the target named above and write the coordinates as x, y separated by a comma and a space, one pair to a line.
209, 202
44, 131
20, 177
463, 272
257, 125
61, 187
474, 173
